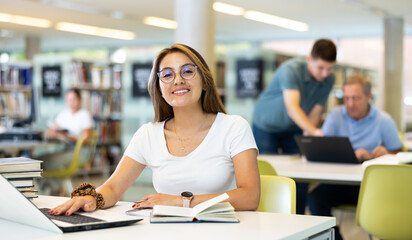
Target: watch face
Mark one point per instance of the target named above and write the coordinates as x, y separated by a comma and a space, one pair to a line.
187, 194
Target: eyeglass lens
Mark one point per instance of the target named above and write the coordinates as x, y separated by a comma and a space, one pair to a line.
187, 72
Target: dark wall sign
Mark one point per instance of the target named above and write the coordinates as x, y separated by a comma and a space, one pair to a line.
140, 76
52, 81
249, 78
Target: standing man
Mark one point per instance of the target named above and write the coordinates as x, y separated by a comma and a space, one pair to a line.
293, 103
371, 132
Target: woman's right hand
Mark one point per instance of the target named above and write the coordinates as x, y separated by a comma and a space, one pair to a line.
86, 203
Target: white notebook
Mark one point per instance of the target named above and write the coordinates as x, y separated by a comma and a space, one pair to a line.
391, 159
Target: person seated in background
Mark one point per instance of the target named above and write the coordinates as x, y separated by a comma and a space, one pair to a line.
371, 132
73, 121
191, 146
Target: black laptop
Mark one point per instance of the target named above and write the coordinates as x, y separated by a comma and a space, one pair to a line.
327, 149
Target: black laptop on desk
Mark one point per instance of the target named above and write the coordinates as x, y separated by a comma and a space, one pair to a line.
327, 149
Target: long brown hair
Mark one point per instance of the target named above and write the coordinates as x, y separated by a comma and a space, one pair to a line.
210, 99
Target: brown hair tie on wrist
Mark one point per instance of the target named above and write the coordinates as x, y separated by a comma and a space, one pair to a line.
88, 189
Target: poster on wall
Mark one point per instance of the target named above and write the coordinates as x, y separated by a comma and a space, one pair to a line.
52, 81
249, 78
140, 76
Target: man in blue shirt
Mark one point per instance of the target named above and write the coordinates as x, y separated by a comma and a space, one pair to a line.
293, 103
371, 132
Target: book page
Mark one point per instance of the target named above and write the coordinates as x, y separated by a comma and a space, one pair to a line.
385, 159
206, 204
404, 157
172, 211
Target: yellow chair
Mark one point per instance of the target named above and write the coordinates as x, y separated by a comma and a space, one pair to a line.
265, 168
70, 170
278, 194
84, 166
385, 201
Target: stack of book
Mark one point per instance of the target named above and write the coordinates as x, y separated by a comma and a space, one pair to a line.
20, 172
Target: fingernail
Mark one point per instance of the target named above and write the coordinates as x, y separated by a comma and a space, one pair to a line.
133, 205
67, 213
136, 206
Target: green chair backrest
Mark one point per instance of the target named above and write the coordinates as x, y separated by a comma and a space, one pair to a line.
278, 194
385, 201
72, 168
265, 168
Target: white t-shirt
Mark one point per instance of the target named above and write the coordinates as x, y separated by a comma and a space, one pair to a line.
207, 169
76, 122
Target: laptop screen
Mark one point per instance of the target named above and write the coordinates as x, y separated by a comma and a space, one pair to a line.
327, 149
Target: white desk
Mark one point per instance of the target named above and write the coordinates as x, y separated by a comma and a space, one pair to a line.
253, 225
302, 170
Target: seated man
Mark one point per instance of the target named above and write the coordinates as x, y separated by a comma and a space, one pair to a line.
372, 133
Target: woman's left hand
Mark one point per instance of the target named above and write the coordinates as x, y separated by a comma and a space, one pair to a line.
159, 199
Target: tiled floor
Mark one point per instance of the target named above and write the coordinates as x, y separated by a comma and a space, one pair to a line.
143, 187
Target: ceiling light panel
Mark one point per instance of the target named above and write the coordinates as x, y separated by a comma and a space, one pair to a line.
277, 21
96, 31
160, 22
227, 8
23, 20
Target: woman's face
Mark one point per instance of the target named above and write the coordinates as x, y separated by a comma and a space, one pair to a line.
72, 101
180, 92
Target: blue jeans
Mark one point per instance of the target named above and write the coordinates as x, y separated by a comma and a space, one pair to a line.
282, 143
326, 196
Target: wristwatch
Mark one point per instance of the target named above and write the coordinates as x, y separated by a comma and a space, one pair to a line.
186, 197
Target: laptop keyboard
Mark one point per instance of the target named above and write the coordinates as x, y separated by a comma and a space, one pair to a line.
73, 219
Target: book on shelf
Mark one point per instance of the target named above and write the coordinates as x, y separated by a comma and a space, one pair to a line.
26, 189
22, 182
21, 174
18, 164
390, 159
211, 210
29, 194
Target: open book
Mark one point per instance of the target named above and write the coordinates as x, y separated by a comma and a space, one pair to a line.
209, 211
399, 158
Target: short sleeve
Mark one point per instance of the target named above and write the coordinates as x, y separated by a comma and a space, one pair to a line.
241, 137
390, 137
288, 79
328, 126
86, 120
136, 147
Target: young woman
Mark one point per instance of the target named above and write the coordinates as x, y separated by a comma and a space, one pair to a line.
192, 146
73, 121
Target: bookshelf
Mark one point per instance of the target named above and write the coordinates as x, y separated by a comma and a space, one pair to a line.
100, 85
16, 92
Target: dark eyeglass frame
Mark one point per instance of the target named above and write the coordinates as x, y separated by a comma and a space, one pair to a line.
180, 72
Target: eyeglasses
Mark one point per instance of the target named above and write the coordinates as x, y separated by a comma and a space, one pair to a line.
187, 72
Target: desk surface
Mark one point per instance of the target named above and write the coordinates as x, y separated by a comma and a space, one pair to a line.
253, 225
302, 170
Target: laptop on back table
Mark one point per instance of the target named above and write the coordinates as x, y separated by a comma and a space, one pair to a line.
327, 149
15, 207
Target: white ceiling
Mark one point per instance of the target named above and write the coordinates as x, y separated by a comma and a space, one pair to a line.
326, 18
